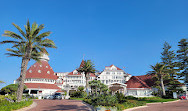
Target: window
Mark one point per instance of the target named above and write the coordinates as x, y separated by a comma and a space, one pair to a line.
40, 65
107, 72
48, 72
39, 71
46, 66
30, 71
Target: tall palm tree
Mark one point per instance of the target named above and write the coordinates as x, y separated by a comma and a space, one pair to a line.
87, 68
160, 73
32, 42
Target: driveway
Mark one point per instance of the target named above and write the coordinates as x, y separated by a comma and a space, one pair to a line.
59, 105
173, 106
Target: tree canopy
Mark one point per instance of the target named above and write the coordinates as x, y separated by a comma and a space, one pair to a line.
10, 89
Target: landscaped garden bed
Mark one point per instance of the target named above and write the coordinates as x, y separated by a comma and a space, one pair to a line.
8, 103
119, 102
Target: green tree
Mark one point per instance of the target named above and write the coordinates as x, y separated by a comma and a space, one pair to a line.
168, 58
33, 42
95, 84
182, 56
160, 73
81, 88
87, 68
10, 89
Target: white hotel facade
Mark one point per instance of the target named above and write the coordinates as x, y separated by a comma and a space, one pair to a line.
42, 80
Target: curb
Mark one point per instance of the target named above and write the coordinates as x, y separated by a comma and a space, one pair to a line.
130, 109
89, 106
34, 104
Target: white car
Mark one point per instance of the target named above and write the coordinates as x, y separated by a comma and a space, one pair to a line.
49, 97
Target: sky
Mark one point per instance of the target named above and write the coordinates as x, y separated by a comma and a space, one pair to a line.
126, 33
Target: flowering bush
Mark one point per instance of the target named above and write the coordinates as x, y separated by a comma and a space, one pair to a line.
8, 103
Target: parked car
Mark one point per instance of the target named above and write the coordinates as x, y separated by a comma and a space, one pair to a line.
182, 96
57, 96
49, 97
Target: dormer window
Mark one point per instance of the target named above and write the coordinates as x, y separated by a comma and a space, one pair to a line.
40, 65
30, 71
46, 66
39, 71
113, 68
75, 72
48, 72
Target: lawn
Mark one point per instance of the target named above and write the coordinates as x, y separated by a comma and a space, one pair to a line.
159, 100
9, 106
77, 98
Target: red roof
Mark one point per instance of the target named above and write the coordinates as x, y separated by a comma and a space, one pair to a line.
115, 66
41, 70
92, 75
41, 86
71, 73
82, 64
147, 79
136, 82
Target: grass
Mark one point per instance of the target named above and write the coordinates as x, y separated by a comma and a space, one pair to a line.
160, 100
154, 99
9, 106
14, 106
77, 98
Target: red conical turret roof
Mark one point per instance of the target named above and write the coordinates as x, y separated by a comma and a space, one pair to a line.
41, 70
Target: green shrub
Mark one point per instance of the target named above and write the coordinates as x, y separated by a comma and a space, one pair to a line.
78, 94
121, 98
133, 103
120, 107
104, 100
131, 98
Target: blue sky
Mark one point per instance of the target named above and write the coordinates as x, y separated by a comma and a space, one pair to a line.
126, 33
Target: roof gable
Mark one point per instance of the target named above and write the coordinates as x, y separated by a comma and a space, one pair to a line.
136, 82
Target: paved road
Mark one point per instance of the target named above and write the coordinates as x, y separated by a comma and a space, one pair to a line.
59, 105
174, 106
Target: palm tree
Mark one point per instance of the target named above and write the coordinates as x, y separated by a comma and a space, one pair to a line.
31, 42
95, 84
160, 73
87, 68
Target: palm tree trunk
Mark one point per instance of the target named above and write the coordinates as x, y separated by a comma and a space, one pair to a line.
162, 87
87, 84
92, 90
22, 79
24, 64
95, 90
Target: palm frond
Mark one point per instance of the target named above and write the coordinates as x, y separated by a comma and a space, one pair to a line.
19, 29
34, 27
12, 54
45, 34
48, 43
12, 34
9, 41
36, 32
